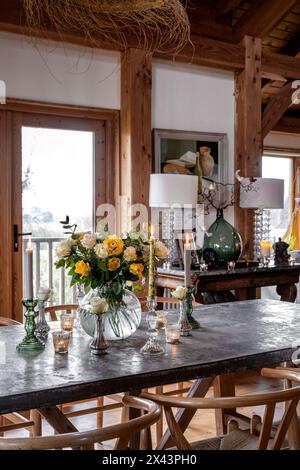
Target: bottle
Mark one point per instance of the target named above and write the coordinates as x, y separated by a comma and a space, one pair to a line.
198, 172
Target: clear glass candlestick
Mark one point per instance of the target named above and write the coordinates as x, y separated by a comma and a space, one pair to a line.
161, 320
61, 341
152, 347
42, 327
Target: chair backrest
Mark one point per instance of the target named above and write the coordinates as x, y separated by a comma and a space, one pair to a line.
60, 308
8, 321
84, 440
289, 396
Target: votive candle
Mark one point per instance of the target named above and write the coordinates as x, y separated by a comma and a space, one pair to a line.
67, 321
61, 341
173, 334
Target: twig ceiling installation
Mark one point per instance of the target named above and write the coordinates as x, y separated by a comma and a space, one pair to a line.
160, 25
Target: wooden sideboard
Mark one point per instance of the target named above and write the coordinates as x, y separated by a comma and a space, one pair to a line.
220, 285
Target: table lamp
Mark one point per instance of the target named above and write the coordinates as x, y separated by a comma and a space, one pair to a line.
262, 195
171, 192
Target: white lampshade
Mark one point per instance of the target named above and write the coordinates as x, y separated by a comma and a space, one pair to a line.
265, 193
167, 190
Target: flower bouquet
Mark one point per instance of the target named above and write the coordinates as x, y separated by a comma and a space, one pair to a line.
109, 267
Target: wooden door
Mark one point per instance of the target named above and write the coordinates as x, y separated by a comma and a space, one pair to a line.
103, 124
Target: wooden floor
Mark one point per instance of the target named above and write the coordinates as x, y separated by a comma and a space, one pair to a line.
201, 427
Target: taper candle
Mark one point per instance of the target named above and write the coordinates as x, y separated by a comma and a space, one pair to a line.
187, 262
29, 270
151, 287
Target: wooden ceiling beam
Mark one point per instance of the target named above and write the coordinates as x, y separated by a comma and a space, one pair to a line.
226, 6
288, 125
293, 46
261, 18
276, 108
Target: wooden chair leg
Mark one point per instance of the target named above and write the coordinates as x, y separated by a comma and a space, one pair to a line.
100, 402
159, 424
36, 429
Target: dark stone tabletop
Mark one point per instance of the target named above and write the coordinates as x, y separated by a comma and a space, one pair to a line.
234, 336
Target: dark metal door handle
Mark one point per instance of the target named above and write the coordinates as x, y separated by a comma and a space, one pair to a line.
16, 236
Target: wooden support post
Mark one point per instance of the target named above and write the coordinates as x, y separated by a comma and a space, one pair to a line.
248, 133
136, 135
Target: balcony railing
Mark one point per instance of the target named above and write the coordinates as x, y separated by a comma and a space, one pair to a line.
45, 273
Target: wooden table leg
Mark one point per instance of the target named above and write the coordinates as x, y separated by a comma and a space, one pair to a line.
135, 439
183, 417
57, 420
288, 293
224, 386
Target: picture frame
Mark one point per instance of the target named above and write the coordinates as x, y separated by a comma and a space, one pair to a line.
170, 145
180, 237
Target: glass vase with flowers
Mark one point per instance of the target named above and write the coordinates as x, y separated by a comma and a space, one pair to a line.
108, 266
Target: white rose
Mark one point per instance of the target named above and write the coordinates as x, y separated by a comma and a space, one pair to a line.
101, 251
161, 251
88, 241
130, 254
63, 249
98, 305
180, 293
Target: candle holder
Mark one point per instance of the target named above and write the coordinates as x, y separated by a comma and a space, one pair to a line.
231, 266
61, 341
67, 321
161, 320
42, 327
30, 342
203, 267
185, 326
173, 334
189, 309
152, 347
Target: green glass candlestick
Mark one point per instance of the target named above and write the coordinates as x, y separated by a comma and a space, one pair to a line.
189, 309
30, 342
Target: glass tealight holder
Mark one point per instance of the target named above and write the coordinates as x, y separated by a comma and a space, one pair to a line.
67, 321
161, 320
203, 267
231, 266
292, 261
173, 334
61, 340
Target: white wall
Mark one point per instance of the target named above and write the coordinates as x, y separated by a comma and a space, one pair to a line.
59, 73
192, 98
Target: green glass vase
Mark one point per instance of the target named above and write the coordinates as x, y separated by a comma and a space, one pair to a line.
222, 243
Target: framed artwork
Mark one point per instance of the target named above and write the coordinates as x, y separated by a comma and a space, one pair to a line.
180, 238
175, 152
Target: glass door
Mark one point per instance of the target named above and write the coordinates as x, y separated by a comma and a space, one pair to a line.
59, 169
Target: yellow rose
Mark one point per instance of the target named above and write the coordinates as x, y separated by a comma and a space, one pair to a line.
137, 269
83, 268
114, 244
113, 264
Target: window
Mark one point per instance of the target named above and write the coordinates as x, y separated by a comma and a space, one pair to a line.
280, 168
